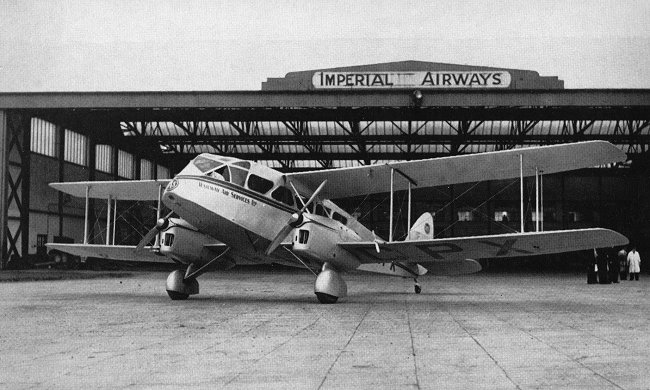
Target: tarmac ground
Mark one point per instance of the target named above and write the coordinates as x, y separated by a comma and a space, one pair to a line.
252, 328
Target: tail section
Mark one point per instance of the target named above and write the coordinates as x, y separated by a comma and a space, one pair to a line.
422, 228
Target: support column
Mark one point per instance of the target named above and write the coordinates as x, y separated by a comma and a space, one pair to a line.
3, 188
15, 132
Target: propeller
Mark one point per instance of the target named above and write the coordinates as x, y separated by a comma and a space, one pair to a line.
295, 220
161, 224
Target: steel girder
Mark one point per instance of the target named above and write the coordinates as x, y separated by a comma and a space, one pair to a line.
290, 141
14, 215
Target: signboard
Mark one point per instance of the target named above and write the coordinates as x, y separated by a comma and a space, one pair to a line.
411, 80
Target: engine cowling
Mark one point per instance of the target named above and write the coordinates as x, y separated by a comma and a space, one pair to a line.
317, 241
186, 245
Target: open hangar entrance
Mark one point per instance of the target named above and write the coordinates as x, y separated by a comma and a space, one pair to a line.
326, 119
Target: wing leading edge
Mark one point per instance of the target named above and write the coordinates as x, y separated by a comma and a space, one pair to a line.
111, 252
122, 190
500, 165
451, 250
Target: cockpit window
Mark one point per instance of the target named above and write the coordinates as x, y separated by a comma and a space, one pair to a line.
243, 164
259, 184
205, 164
283, 194
224, 172
238, 176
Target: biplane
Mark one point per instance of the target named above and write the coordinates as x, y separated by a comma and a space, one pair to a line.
230, 211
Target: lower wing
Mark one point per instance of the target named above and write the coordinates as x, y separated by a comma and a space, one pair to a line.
111, 252
437, 252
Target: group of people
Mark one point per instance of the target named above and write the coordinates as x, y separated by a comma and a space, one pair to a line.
609, 265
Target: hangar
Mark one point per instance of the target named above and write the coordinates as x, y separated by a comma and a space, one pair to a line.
326, 118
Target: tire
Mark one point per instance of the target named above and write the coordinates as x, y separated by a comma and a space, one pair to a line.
326, 298
176, 296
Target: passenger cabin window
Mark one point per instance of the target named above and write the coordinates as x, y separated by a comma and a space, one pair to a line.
338, 217
238, 176
259, 184
283, 194
206, 164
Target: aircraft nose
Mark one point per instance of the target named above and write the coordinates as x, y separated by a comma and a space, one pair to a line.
170, 197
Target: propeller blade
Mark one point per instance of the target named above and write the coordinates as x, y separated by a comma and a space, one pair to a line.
295, 191
279, 238
313, 196
160, 225
295, 219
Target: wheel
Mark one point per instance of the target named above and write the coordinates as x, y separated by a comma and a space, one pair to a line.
326, 298
176, 296
418, 289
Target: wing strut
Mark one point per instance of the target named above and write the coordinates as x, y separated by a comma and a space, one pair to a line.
392, 185
86, 216
521, 192
108, 220
158, 214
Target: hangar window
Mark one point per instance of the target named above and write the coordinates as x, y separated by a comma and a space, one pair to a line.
162, 172
238, 176
43, 138
259, 184
146, 170
465, 216
103, 158
502, 216
125, 166
75, 148
283, 194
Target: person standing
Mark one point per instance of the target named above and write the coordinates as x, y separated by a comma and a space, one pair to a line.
592, 269
634, 264
612, 265
601, 260
622, 263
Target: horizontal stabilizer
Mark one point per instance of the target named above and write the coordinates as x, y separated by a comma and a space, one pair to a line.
122, 190
457, 249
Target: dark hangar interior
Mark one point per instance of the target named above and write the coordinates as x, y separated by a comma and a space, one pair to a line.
328, 118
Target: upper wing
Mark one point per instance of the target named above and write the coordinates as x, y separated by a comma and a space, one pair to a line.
122, 190
362, 180
110, 252
494, 246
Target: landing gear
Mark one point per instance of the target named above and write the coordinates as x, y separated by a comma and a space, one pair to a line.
179, 288
329, 285
418, 289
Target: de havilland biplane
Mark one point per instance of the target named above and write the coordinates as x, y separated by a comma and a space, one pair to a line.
231, 211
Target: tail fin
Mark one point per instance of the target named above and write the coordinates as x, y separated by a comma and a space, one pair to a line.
422, 228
